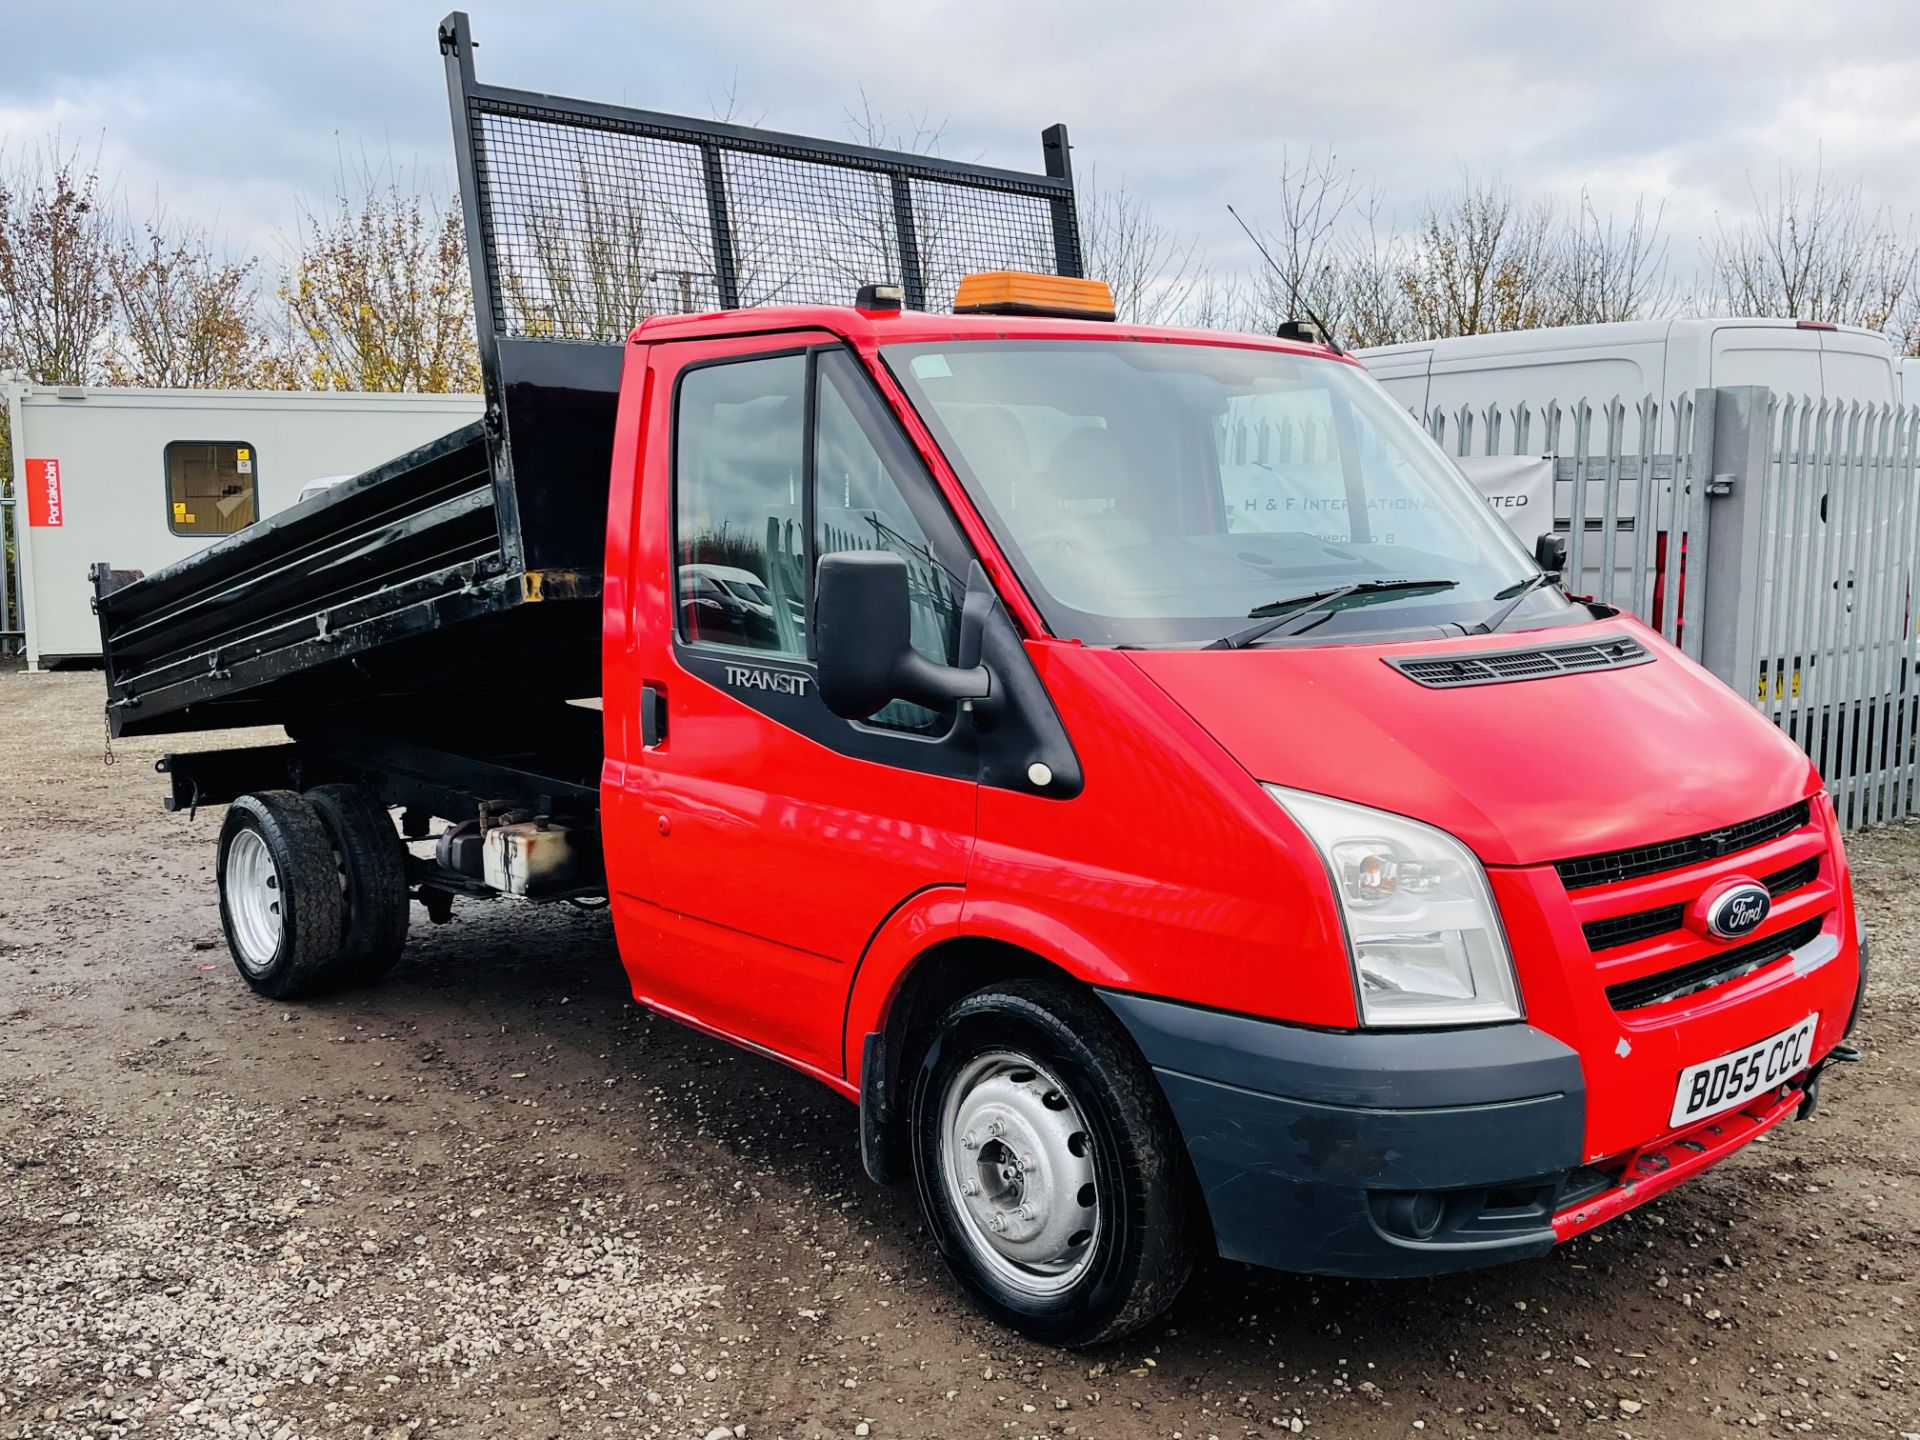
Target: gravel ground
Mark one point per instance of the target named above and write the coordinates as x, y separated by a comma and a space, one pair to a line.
494, 1197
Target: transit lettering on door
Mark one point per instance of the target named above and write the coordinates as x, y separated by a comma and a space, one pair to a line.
780, 682
44, 509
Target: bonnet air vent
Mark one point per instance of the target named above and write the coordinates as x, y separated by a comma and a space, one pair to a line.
1498, 667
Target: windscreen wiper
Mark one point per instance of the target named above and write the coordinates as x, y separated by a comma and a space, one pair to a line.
1276, 613
1513, 595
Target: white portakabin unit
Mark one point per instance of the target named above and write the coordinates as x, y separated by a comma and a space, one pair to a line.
146, 477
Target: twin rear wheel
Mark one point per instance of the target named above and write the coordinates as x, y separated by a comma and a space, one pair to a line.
1048, 1167
313, 889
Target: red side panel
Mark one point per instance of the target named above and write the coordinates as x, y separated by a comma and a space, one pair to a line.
45, 508
1172, 874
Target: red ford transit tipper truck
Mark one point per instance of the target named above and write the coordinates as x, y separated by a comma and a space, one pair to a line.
1129, 763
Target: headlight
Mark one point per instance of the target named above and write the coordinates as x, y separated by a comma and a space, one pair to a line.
1422, 930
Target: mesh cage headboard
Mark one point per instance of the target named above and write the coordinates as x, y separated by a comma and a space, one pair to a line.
583, 219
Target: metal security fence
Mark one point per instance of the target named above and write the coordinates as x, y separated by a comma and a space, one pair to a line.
13, 625
1830, 609
1771, 538
1627, 469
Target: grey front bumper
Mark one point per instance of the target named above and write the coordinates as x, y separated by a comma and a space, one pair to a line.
1367, 1152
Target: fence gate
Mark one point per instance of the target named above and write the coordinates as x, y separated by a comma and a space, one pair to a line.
1771, 538
1827, 626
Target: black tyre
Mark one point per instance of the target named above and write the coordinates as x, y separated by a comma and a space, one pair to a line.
280, 899
372, 865
1048, 1167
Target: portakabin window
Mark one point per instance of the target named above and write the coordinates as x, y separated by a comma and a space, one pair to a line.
212, 486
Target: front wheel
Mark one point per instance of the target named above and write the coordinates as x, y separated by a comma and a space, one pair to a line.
1047, 1166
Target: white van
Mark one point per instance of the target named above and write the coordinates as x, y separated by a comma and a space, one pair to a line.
1665, 359
1628, 361
1636, 358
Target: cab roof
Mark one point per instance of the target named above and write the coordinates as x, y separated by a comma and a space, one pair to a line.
867, 328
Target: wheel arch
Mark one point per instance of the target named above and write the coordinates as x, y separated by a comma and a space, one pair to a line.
932, 951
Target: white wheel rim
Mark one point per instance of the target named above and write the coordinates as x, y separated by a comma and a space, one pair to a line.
1016, 1163
253, 901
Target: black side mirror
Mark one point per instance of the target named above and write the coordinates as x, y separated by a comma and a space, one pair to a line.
1550, 553
862, 640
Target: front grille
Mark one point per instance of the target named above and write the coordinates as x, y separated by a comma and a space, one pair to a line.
1794, 877
1618, 930
1498, 667
1611, 934
1715, 969
1644, 860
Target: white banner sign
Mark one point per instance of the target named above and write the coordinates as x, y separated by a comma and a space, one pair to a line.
1519, 488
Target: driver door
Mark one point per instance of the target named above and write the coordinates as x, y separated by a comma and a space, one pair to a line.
772, 838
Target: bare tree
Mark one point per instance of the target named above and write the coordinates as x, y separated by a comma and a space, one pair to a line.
1483, 260
946, 219
375, 292
1314, 200
726, 106
865, 244
1613, 270
183, 315
1814, 250
1374, 304
82, 300
1220, 300
55, 237
1335, 254
56, 244
591, 261
1153, 271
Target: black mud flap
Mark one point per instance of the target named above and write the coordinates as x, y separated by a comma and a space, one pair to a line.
881, 1152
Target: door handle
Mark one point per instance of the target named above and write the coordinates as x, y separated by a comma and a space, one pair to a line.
653, 715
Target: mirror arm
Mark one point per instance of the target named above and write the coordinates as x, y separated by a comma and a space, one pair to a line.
926, 682
976, 611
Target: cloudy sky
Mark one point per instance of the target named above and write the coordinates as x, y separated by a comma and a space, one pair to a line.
230, 113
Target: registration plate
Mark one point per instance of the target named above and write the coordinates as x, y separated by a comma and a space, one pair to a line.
1724, 1084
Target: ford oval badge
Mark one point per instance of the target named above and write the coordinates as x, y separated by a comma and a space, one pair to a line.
1736, 912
